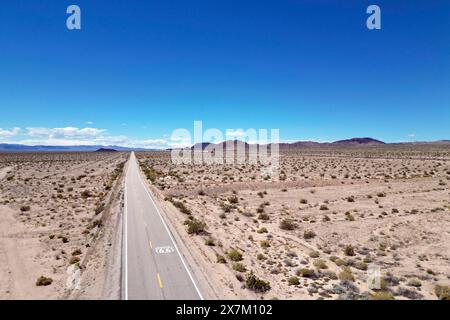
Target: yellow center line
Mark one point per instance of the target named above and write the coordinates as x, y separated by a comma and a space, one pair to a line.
159, 281
150, 243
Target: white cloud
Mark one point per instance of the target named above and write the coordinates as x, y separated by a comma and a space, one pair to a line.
71, 136
67, 132
4, 133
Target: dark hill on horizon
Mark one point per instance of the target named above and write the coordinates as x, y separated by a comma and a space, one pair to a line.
106, 150
359, 141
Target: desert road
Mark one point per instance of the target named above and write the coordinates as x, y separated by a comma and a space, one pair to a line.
154, 269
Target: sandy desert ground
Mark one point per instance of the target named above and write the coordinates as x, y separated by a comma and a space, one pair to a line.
314, 230
53, 210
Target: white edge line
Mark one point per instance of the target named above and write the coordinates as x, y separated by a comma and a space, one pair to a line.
171, 237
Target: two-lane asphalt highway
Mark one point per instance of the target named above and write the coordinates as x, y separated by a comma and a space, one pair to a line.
154, 268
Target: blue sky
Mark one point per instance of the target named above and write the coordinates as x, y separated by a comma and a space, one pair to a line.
137, 70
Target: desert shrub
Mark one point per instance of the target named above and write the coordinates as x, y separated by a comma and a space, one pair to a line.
44, 281
349, 250
303, 201
381, 194
263, 216
201, 193
260, 256
74, 260
181, 206
210, 242
25, 208
351, 199
265, 244
381, 295
331, 275
76, 252
320, 264
346, 275
221, 259
293, 281
349, 217
233, 199
86, 194
237, 266
287, 224
360, 265
309, 234
340, 262
256, 284
314, 254
262, 230
323, 207
151, 173
234, 255
414, 283
226, 207
195, 226
304, 272
442, 292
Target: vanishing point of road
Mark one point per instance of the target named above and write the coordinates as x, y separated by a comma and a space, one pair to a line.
154, 269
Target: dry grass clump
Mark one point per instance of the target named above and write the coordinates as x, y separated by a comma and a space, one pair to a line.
234, 255
25, 208
381, 295
44, 281
195, 226
349, 250
256, 284
442, 292
287, 224
305, 272
293, 281
309, 234
346, 275
237, 266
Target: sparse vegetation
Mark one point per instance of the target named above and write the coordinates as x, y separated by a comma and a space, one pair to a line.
195, 226
234, 255
287, 224
256, 284
442, 292
309, 234
44, 281
349, 250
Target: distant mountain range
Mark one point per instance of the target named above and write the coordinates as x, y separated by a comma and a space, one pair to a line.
354, 142
24, 148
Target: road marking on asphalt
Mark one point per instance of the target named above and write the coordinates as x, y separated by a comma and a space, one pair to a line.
150, 243
164, 250
159, 281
